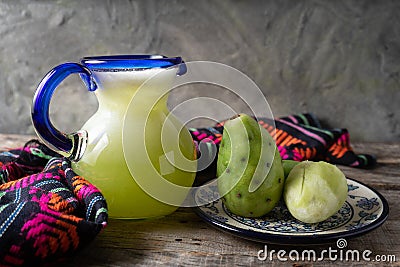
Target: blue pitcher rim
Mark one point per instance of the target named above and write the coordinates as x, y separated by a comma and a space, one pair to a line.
112, 63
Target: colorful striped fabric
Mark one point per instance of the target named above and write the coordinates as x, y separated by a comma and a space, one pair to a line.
46, 211
298, 137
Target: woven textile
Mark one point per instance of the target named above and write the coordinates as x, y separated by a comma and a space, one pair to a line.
46, 210
298, 137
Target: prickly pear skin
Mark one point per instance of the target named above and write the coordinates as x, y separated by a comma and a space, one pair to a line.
248, 156
288, 165
314, 191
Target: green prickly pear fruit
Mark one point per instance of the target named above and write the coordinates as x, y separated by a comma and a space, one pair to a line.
314, 191
288, 165
249, 168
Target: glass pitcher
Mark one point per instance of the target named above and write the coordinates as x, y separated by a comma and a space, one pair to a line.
98, 151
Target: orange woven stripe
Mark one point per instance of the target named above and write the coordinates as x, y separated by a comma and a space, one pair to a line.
337, 150
281, 137
270, 128
287, 140
57, 203
295, 141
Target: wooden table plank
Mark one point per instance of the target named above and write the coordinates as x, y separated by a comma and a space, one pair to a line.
8, 141
386, 174
182, 238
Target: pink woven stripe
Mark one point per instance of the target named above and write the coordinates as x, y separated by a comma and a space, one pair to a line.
304, 131
293, 119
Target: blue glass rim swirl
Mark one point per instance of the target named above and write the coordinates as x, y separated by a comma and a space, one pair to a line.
115, 63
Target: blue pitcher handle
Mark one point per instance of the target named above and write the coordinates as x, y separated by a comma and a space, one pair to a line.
69, 145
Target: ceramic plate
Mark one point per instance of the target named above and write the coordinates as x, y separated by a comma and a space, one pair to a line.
364, 210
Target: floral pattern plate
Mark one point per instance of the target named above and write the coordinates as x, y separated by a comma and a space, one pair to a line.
364, 210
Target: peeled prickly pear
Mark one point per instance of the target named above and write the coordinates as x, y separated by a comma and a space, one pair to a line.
314, 191
249, 168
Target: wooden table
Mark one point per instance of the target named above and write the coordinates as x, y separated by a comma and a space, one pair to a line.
182, 238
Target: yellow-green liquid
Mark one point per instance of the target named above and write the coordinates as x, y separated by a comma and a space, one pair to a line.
103, 162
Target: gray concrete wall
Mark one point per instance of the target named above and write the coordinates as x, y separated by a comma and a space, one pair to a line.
337, 59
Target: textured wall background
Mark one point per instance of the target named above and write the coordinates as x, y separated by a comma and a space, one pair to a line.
337, 59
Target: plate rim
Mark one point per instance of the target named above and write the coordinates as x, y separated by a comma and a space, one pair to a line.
295, 240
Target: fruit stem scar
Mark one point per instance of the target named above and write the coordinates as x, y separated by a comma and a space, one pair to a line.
234, 117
